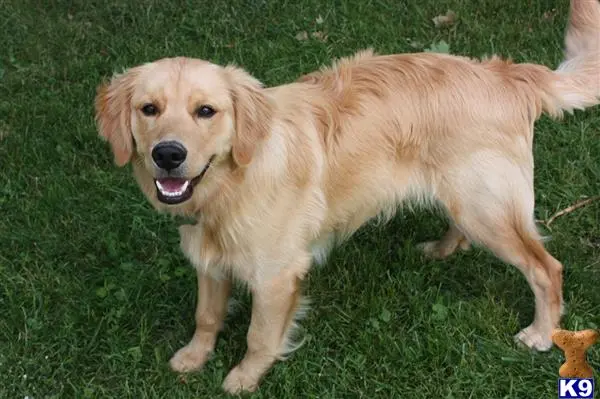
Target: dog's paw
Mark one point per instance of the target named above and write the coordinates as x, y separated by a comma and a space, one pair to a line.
189, 358
440, 249
238, 381
430, 249
533, 338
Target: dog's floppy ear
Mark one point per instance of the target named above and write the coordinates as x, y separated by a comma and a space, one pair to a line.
253, 113
113, 115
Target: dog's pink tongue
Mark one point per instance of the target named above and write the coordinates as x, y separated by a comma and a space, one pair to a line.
171, 184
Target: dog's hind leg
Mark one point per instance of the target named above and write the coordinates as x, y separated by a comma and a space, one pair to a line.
447, 245
492, 203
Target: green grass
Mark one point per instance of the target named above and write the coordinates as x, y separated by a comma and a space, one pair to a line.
95, 295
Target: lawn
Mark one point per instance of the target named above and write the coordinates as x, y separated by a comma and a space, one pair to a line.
95, 295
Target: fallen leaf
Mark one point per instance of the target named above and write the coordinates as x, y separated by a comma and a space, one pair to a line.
548, 15
302, 35
319, 36
415, 44
445, 20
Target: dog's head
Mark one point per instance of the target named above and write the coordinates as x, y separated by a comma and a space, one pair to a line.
182, 119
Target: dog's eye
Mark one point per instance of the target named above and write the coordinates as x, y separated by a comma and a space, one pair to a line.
149, 110
204, 111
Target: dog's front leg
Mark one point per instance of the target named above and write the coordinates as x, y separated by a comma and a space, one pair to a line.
274, 305
211, 309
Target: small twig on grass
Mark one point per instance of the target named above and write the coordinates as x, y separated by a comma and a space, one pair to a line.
569, 209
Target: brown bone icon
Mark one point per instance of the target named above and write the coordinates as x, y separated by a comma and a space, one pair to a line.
574, 344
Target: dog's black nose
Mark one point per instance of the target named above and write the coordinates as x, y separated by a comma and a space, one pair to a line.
169, 154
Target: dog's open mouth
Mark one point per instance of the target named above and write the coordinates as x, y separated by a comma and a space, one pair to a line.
175, 190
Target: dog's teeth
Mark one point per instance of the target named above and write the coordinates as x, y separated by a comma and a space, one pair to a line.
177, 193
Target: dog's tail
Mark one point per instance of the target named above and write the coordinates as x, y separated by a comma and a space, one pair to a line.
576, 83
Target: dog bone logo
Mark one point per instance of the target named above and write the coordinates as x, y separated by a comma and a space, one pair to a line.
574, 344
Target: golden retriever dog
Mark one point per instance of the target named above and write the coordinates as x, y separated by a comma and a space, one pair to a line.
276, 176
